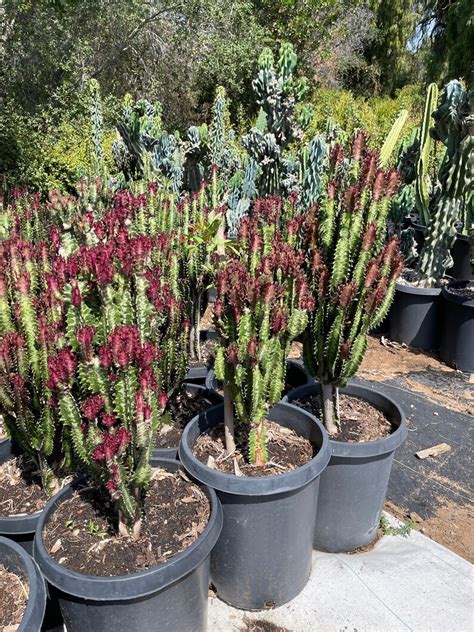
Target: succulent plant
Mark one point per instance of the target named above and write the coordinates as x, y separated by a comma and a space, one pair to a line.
31, 332
277, 91
350, 269
454, 128
261, 306
126, 350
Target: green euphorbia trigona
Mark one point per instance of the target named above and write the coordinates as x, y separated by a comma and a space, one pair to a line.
351, 270
261, 307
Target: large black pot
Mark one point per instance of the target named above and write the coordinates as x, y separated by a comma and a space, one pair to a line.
352, 488
263, 556
21, 529
214, 398
296, 375
415, 316
457, 337
15, 559
169, 597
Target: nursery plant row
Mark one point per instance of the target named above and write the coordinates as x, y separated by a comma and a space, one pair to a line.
143, 460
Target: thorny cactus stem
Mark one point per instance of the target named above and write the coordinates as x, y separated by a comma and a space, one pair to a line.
350, 270
127, 346
31, 332
261, 307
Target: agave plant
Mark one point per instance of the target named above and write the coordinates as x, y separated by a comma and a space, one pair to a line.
261, 307
127, 349
351, 270
31, 332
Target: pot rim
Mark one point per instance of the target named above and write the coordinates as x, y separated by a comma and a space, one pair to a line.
454, 298
363, 449
133, 585
420, 291
252, 485
36, 603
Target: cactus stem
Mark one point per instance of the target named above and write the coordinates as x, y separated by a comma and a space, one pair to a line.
228, 422
328, 393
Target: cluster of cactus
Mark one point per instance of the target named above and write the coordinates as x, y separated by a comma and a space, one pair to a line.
126, 350
278, 92
454, 128
351, 269
31, 332
261, 307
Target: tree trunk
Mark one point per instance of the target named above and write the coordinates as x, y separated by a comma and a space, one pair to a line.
229, 431
328, 395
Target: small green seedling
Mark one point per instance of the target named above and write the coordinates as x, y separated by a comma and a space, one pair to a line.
404, 530
94, 529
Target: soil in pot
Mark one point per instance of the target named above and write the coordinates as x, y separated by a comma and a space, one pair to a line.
20, 487
286, 451
80, 534
208, 351
183, 406
13, 600
466, 292
359, 420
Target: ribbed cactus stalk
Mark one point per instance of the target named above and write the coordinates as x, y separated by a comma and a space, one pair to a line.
391, 140
422, 182
127, 348
351, 270
454, 128
261, 307
31, 332
97, 162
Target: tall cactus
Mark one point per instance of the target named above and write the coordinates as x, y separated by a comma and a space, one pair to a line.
278, 92
454, 128
261, 307
351, 270
422, 182
97, 162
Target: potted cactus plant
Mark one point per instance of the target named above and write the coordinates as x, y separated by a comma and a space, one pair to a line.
126, 330
31, 332
351, 274
262, 305
415, 317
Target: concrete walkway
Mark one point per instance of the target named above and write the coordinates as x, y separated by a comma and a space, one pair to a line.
404, 583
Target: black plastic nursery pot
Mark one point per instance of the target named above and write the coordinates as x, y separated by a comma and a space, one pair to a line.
21, 529
296, 375
457, 336
214, 398
415, 316
263, 556
15, 559
169, 597
352, 488
198, 374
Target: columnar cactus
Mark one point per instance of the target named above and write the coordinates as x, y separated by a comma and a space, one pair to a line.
127, 347
422, 181
31, 332
454, 128
351, 270
261, 306
277, 91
